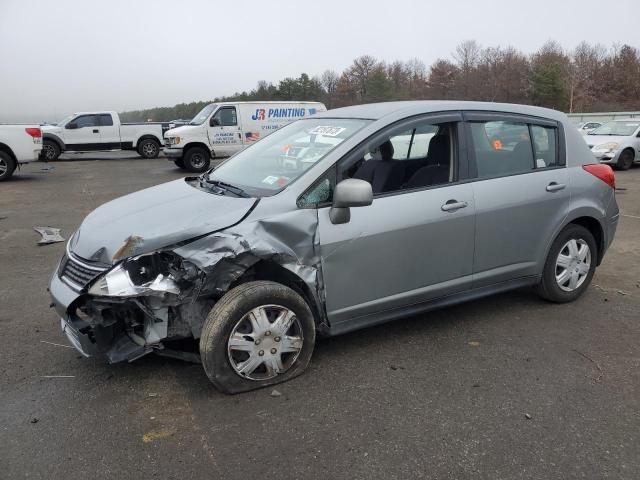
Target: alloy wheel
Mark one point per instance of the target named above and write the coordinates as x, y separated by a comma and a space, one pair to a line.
265, 342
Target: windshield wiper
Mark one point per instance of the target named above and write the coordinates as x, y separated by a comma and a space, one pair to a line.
227, 186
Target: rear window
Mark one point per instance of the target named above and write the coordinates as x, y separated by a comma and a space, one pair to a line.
106, 120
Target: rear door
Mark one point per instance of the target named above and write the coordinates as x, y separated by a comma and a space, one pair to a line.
225, 132
109, 131
521, 192
83, 133
415, 242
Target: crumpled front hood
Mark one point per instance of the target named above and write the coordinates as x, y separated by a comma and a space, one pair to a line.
593, 140
154, 218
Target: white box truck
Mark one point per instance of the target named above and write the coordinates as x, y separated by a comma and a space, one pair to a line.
222, 129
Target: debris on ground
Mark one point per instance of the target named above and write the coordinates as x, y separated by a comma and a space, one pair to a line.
153, 394
3, 217
275, 393
527, 416
49, 235
622, 292
584, 355
474, 343
56, 344
58, 376
34, 420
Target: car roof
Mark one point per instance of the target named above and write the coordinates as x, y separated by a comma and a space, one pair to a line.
376, 111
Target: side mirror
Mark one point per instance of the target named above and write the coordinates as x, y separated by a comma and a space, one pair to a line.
71, 126
214, 122
349, 193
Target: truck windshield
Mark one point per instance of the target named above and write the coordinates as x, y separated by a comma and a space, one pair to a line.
274, 162
203, 115
65, 120
617, 128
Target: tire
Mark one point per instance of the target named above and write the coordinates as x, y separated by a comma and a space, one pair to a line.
231, 315
555, 286
149, 148
196, 160
625, 160
179, 163
7, 166
50, 150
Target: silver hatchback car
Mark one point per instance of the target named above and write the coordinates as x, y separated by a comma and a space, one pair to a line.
350, 218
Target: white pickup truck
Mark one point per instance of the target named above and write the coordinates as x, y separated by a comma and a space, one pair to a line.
95, 131
18, 144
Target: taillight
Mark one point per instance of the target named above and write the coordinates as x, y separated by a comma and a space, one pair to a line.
603, 172
34, 132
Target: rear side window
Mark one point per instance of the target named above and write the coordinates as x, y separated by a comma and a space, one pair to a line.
545, 146
106, 120
502, 148
85, 121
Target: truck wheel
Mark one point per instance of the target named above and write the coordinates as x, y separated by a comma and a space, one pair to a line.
149, 148
179, 163
570, 265
625, 160
7, 166
50, 150
260, 333
196, 160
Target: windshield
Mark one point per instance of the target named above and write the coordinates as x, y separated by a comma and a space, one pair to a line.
65, 120
203, 115
274, 162
617, 128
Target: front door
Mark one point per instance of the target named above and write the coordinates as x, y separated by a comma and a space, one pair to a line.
225, 133
415, 242
521, 191
82, 133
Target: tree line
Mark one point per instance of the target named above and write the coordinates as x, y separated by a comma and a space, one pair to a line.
589, 78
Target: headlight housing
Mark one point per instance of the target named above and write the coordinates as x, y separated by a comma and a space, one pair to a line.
143, 275
606, 147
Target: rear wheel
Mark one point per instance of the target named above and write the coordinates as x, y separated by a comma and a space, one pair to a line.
7, 165
50, 150
625, 160
570, 265
196, 160
149, 148
260, 333
179, 163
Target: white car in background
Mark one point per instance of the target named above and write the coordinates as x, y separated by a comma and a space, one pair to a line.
616, 142
586, 127
18, 144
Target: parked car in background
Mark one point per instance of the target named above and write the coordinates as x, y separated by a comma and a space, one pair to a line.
18, 144
101, 130
258, 256
178, 123
616, 142
587, 127
222, 129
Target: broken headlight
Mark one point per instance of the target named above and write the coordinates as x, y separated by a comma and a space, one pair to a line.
137, 276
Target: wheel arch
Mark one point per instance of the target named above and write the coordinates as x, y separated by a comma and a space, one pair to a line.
270, 270
148, 136
54, 138
595, 227
191, 145
7, 149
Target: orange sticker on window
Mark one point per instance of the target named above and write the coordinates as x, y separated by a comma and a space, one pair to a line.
497, 144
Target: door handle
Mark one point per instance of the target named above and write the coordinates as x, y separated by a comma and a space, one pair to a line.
96, 131
453, 205
555, 187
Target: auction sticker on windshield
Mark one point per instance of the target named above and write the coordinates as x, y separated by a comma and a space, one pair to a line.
327, 131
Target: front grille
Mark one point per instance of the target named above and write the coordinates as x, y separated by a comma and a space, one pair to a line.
77, 273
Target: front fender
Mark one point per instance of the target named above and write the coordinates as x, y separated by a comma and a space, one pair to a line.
55, 138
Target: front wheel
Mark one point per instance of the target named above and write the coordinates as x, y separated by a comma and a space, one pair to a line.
50, 150
149, 148
7, 166
570, 265
625, 160
258, 334
196, 160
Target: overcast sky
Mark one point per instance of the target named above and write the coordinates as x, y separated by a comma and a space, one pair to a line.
62, 56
